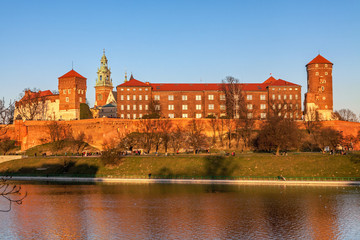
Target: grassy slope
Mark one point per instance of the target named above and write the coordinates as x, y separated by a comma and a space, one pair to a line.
297, 165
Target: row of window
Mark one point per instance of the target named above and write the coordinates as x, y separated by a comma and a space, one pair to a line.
134, 89
140, 107
140, 97
69, 91
67, 99
317, 73
285, 106
285, 97
284, 89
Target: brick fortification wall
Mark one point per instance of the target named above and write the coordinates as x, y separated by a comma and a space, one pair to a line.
106, 130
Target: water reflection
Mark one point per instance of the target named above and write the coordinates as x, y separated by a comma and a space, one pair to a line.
171, 211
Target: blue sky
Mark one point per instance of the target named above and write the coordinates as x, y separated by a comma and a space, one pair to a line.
179, 41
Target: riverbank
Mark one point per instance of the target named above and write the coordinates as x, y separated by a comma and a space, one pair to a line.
184, 181
254, 165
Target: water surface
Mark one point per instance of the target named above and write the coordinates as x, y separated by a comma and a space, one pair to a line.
183, 211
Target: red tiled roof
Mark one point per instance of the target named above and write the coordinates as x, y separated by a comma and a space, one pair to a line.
281, 82
30, 95
206, 86
72, 73
319, 59
134, 83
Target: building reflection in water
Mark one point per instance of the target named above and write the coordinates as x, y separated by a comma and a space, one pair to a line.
162, 211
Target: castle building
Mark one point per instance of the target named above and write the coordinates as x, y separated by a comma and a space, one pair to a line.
318, 102
44, 105
191, 100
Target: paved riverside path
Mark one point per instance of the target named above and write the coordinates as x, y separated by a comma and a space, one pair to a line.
186, 181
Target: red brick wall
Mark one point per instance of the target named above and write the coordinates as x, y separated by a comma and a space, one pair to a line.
74, 84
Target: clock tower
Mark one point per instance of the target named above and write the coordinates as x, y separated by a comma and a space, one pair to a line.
103, 85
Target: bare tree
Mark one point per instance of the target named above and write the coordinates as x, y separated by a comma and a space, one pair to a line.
58, 133
32, 105
234, 97
196, 138
11, 193
154, 110
347, 115
177, 138
6, 112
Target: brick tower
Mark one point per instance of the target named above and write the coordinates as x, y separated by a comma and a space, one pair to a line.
103, 84
72, 92
319, 97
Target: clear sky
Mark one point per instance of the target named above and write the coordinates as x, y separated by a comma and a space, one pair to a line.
179, 41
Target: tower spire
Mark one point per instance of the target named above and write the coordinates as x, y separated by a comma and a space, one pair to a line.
125, 77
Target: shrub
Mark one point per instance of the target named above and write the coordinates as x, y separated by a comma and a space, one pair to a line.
111, 157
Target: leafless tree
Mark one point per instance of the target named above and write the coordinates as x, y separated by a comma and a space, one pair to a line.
11, 193
58, 133
347, 115
327, 136
234, 97
154, 110
31, 105
196, 138
6, 112
177, 138
164, 129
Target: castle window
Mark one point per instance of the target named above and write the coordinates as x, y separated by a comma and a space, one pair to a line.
184, 115
297, 106
157, 97
248, 97
290, 96
324, 98
171, 97
285, 106
249, 106
279, 89
122, 97
146, 89
326, 65
317, 73
296, 96
273, 106
184, 107
134, 107
326, 73
198, 115
171, 107
249, 115
134, 97
140, 115
122, 107
140, 89
69, 91
134, 116
285, 116
290, 105
100, 97
326, 106
128, 116
262, 106
198, 97
285, 97
127, 97
128, 89
134, 89
146, 107
80, 99
296, 89
279, 106
279, 97
263, 115
121, 89
100, 77
171, 115
140, 97
64, 91
222, 97
67, 99
273, 89
290, 89
222, 107
140, 107
211, 106
322, 88
184, 97
157, 107
273, 97
122, 116
291, 115
127, 107
79, 91
316, 65
146, 97
198, 107
284, 89
211, 97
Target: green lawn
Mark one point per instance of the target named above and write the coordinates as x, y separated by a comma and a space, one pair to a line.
251, 164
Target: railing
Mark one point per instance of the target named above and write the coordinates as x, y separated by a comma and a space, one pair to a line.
185, 177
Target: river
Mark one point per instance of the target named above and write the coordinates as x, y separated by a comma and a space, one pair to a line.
183, 211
